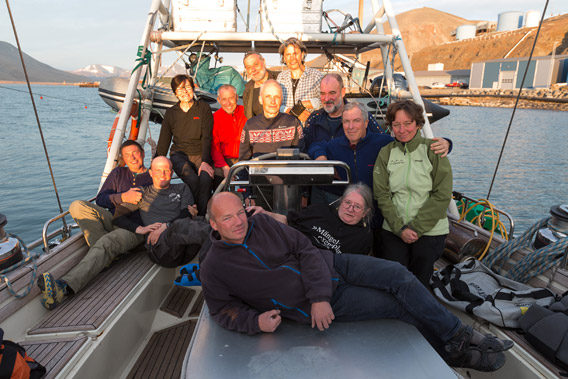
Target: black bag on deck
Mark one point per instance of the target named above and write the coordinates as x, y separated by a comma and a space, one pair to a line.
547, 330
15, 363
472, 287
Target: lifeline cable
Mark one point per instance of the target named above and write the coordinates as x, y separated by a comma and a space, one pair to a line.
517, 100
36, 115
56, 97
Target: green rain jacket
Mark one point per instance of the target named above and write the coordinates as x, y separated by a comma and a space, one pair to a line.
413, 187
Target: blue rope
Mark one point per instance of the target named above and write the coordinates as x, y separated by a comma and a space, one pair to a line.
29, 258
503, 252
533, 263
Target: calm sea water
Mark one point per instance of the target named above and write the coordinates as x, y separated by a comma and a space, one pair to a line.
532, 177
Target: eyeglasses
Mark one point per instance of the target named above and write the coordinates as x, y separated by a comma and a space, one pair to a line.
349, 204
186, 89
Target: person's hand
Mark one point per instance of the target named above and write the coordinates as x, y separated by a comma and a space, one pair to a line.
156, 233
226, 170
192, 210
255, 209
409, 236
249, 202
322, 315
132, 196
269, 320
149, 228
441, 146
304, 115
321, 158
204, 166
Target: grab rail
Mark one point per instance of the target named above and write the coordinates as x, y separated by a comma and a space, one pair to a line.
64, 231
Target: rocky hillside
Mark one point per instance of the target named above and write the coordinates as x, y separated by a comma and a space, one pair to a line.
426, 34
11, 68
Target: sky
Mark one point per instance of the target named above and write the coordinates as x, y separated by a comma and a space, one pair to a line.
72, 34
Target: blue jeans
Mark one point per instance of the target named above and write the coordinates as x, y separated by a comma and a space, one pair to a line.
372, 288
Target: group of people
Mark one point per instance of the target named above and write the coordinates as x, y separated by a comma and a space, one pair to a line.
363, 253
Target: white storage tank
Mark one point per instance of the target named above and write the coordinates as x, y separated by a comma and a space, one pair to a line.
532, 18
465, 31
208, 16
509, 21
286, 16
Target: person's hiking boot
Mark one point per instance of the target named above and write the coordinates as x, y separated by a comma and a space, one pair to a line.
54, 291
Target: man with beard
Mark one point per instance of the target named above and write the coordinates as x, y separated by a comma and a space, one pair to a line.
255, 66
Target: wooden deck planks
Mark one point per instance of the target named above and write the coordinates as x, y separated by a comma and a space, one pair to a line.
90, 307
197, 305
178, 301
164, 353
54, 355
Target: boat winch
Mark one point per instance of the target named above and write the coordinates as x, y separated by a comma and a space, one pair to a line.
557, 227
10, 248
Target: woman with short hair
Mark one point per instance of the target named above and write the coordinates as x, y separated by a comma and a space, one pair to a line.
189, 123
413, 188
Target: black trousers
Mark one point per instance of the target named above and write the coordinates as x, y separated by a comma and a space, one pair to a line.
418, 257
200, 185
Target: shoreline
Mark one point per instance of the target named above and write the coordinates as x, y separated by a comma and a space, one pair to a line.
555, 98
66, 84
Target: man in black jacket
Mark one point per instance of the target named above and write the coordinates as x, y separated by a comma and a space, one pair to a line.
255, 66
259, 270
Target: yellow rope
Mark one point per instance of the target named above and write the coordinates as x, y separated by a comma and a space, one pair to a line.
488, 212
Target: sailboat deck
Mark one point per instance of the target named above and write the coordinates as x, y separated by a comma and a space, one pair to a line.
54, 354
88, 309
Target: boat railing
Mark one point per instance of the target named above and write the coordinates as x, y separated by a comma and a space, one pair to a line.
63, 231
486, 210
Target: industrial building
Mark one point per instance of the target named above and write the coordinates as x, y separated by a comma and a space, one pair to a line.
508, 73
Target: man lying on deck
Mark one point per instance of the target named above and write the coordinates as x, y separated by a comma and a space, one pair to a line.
172, 237
106, 241
259, 270
174, 234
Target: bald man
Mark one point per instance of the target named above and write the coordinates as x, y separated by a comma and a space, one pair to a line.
272, 129
174, 233
259, 270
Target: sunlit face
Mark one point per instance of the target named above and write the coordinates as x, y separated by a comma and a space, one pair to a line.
255, 67
354, 125
184, 92
352, 209
403, 127
293, 57
228, 218
271, 99
228, 100
133, 158
161, 172
331, 96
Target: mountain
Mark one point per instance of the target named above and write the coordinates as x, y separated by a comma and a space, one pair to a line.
99, 71
11, 68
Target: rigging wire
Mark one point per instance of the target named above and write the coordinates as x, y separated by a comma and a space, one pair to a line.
35, 111
57, 98
517, 100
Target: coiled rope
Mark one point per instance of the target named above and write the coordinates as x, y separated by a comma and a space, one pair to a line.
533, 263
488, 212
30, 258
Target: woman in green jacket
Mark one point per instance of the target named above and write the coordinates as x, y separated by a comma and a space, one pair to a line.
413, 188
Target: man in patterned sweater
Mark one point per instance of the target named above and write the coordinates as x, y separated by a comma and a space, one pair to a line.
268, 132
